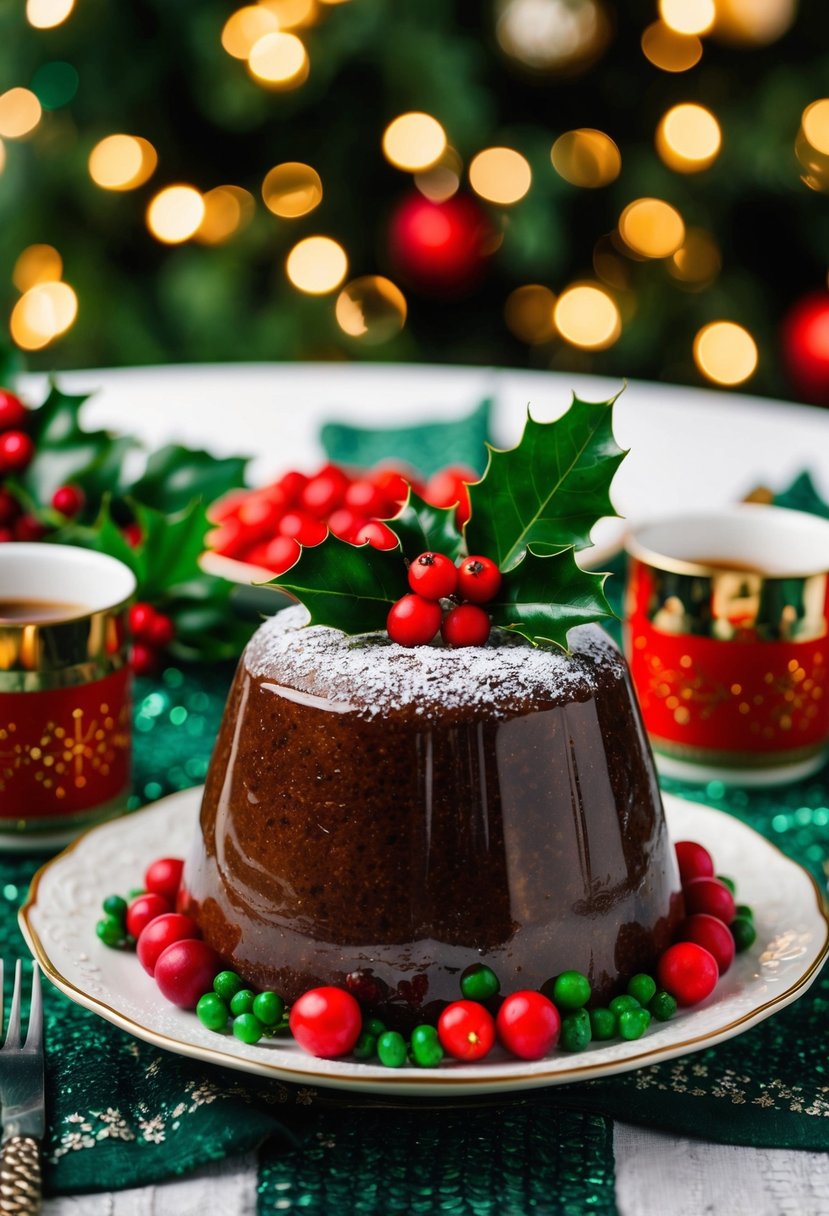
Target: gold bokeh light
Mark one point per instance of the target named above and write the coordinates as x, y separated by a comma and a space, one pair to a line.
688, 16
651, 228
668, 50
46, 14
753, 22
279, 61
292, 14
227, 209
443, 179
586, 157
725, 353
37, 264
371, 308
814, 123
414, 141
528, 313
697, 262
122, 162
20, 112
587, 316
2, 156
688, 138
42, 314
317, 265
175, 213
292, 189
245, 27
500, 175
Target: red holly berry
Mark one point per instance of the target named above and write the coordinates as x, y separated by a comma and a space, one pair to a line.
375, 533
16, 451
711, 896
160, 933
9, 507
29, 528
258, 517
132, 535
281, 553
528, 1024
6, 536
434, 576
694, 861
162, 631
325, 492
479, 579
141, 619
448, 488
393, 485
711, 933
326, 1022
144, 659
466, 625
12, 411
413, 621
303, 528
185, 971
345, 524
466, 1030
230, 539
163, 877
292, 484
688, 971
68, 500
226, 506
367, 499
143, 909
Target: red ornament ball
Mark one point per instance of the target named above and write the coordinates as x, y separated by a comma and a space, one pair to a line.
68, 500
466, 1030
413, 621
185, 971
433, 575
528, 1025
688, 971
479, 579
16, 451
163, 877
12, 411
711, 933
440, 249
161, 933
467, 625
693, 860
711, 896
326, 1022
805, 340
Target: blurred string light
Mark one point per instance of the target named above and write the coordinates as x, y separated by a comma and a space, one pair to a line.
500, 175
669, 50
697, 262
43, 313
37, 264
812, 144
725, 352
292, 14
651, 228
414, 141
753, 22
688, 16
2, 156
528, 313
688, 138
317, 265
586, 157
587, 316
245, 27
20, 112
292, 189
227, 209
441, 180
279, 61
46, 14
372, 309
553, 37
175, 214
122, 162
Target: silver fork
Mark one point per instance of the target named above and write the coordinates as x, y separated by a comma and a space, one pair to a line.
23, 1113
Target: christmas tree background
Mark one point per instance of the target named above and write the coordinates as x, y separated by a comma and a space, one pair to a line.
451, 261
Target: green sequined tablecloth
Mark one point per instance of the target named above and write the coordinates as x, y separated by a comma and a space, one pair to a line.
124, 1113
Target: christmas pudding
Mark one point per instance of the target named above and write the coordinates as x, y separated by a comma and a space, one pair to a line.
384, 808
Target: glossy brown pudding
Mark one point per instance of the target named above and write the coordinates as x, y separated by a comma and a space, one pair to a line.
399, 814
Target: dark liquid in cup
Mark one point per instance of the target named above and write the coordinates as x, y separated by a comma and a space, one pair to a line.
38, 612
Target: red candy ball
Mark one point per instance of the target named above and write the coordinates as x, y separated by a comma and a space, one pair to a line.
68, 500
413, 621
16, 451
466, 1030
467, 625
528, 1025
185, 971
694, 861
163, 877
434, 576
12, 411
709, 932
143, 909
326, 1022
161, 933
688, 971
479, 579
711, 896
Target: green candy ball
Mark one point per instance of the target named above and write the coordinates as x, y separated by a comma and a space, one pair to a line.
620, 1004
391, 1049
479, 982
576, 1031
571, 990
663, 1006
745, 911
374, 1026
366, 1046
115, 905
268, 1007
642, 988
743, 932
633, 1023
242, 1002
212, 1011
426, 1049
603, 1024
728, 882
248, 1028
227, 984
111, 931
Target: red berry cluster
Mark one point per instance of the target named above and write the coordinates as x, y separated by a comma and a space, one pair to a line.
267, 526
433, 577
153, 632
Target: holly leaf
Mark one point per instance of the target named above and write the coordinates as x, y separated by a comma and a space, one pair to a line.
543, 597
421, 528
348, 587
548, 491
175, 475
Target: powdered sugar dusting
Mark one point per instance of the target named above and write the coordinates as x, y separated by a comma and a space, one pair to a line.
373, 675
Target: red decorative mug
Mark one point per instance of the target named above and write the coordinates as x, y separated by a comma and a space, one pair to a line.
64, 691
727, 636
